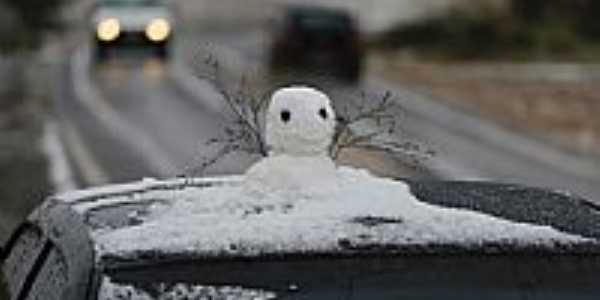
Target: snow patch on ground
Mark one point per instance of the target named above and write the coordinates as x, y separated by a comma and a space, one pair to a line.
360, 210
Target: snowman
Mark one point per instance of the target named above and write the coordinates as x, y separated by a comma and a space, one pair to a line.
300, 125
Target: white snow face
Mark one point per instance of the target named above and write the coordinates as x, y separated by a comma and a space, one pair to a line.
300, 122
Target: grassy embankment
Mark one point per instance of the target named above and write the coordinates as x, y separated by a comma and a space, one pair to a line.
516, 30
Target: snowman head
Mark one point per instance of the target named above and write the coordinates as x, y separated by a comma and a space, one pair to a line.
300, 121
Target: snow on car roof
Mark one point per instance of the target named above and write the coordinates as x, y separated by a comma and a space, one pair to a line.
147, 184
227, 219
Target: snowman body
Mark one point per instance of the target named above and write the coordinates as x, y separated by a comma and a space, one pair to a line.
300, 125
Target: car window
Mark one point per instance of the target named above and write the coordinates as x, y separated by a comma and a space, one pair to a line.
35, 269
22, 257
51, 280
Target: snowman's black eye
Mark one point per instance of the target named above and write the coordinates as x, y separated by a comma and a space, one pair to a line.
323, 113
286, 115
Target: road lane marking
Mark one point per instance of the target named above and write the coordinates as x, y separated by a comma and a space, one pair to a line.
92, 172
60, 170
156, 158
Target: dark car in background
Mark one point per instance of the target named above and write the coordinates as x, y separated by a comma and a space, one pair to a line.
144, 23
317, 40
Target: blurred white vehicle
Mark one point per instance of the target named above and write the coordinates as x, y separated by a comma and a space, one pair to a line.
118, 23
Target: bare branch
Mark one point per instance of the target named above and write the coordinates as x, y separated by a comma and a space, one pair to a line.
381, 119
243, 133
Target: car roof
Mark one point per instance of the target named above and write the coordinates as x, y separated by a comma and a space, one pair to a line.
233, 231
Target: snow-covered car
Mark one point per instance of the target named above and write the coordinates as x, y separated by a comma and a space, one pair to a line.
118, 23
135, 242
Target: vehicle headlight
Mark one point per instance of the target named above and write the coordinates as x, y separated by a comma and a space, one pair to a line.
108, 30
158, 30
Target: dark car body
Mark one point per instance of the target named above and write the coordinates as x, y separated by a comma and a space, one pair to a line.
317, 40
53, 255
131, 21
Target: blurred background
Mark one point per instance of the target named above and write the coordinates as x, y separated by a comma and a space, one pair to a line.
110, 91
